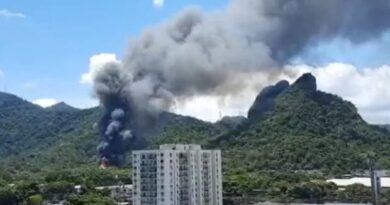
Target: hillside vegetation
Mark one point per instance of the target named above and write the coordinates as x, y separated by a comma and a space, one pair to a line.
308, 130
303, 129
294, 134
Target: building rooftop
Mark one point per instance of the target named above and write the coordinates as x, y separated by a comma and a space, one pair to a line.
180, 147
126, 186
366, 181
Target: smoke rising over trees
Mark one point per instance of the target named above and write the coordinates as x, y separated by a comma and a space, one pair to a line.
203, 53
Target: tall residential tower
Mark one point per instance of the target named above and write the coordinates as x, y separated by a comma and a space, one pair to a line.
177, 175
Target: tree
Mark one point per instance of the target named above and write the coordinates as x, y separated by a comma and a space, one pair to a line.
308, 191
58, 190
26, 189
356, 193
35, 200
90, 199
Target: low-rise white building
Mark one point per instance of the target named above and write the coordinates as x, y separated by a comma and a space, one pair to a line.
366, 181
122, 194
177, 175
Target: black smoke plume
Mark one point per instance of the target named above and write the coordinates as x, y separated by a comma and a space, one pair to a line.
200, 53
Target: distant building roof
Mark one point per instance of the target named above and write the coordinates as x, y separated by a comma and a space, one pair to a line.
366, 181
180, 147
127, 186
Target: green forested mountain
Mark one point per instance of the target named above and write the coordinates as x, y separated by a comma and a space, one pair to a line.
34, 139
307, 130
294, 137
290, 127
25, 127
31, 137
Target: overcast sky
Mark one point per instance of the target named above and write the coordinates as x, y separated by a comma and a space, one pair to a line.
48, 47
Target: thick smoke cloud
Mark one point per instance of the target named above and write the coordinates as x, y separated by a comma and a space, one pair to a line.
113, 145
299, 23
198, 53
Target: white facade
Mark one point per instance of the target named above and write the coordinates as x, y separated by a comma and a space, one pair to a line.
366, 181
177, 175
123, 194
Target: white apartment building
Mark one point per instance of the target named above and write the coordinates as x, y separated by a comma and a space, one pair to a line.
177, 175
